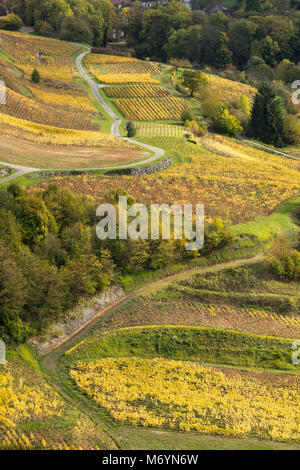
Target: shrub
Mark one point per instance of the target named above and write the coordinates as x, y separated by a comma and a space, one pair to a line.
11, 22
197, 129
284, 262
292, 130
226, 123
187, 115
131, 130
43, 27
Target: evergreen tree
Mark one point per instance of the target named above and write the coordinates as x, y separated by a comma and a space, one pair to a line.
35, 76
267, 117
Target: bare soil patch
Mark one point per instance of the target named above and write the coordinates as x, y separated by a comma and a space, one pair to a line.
34, 155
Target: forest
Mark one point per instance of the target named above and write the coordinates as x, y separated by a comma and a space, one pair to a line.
51, 258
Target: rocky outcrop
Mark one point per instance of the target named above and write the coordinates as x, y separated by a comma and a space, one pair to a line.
4, 172
77, 319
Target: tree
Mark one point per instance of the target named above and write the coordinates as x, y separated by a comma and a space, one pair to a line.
35, 76
104, 40
240, 35
292, 130
245, 105
9, 231
187, 115
54, 12
66, 208
35, 220
185, 43
267, 121
253, 6
216, 236
226, 123
76, 29
11, 22
269, 51
193, 80
215, 47
288, 71
131, 130
87, 275
12, 298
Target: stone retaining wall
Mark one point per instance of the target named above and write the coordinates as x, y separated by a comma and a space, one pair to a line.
154, 168
136, 171
76, 319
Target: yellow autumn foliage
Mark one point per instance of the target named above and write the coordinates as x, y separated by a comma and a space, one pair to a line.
189, 397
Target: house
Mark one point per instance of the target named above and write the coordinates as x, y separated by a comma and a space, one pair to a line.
118, 4
215, 7
152, 3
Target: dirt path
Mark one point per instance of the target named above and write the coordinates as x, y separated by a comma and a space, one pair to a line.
270, 149
19, 153
52, 358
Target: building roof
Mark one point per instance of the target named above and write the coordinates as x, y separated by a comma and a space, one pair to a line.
118, 2
214, 7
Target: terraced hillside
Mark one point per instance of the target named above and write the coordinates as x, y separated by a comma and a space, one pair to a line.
57, 112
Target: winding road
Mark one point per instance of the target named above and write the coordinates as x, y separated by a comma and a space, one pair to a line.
156, 152
115, 128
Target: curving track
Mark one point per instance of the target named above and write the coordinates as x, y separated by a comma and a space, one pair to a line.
156, 152
115, 128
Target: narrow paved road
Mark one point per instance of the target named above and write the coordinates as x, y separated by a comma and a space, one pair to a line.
115, 128
21, 170
156, 152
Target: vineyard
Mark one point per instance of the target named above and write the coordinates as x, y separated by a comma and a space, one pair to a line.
149, 129
151, 108
138, 98
42, 134
190, 311
21, 107
107, 59
188, 397
230, 186
229, 91
55, 111
132, 67
119, 78
51, 71
28, 404
76, 101
23, 46
136, 91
